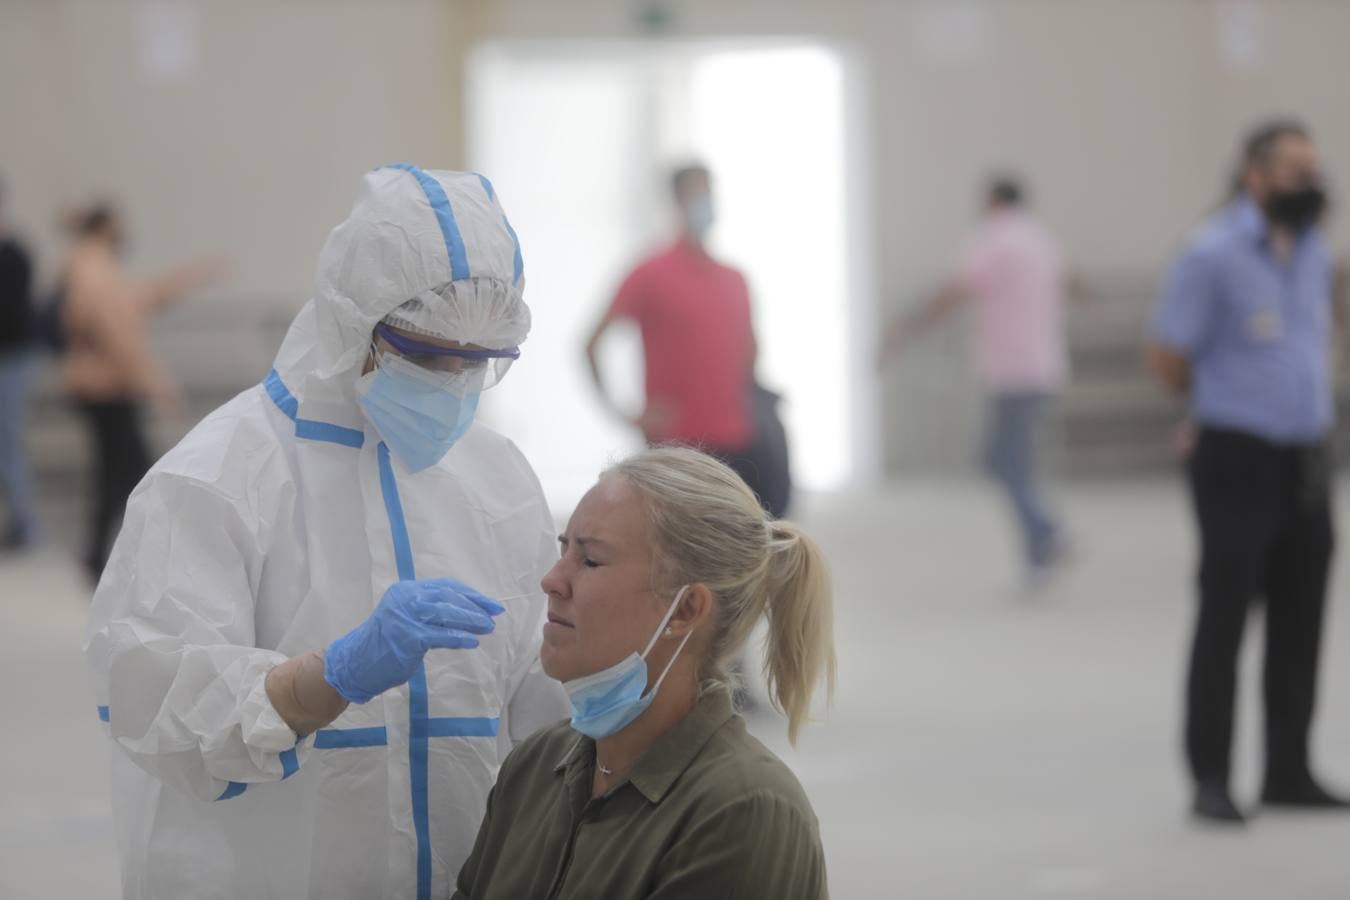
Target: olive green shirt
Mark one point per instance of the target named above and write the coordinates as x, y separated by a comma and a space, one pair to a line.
708, 812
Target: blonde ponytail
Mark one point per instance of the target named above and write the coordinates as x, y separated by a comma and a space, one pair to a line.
706, 527
800, 610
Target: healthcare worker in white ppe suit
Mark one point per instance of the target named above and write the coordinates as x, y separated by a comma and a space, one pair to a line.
317, 636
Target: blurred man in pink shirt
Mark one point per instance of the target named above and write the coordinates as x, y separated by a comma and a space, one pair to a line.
1011, 272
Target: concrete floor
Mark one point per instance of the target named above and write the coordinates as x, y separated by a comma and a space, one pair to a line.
982, 744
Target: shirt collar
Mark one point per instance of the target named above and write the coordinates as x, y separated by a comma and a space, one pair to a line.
1249, 220
658, 768
575, 755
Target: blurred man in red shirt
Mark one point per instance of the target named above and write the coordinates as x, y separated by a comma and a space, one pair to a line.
699, 347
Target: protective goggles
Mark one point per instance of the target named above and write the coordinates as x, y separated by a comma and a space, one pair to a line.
451, 363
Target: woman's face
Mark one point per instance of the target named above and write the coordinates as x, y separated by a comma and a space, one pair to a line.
601, 606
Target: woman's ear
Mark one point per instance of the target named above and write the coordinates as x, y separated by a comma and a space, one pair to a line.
694, 612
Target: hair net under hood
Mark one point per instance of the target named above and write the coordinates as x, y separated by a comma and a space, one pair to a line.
436, 236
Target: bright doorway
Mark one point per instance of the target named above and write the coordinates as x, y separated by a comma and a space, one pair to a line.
578, 138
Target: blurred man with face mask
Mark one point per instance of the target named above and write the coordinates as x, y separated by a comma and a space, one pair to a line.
1245, 331
699, 351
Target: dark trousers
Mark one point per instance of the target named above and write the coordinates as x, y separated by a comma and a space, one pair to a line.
1264, 514
121, 459
763, 470
16, 476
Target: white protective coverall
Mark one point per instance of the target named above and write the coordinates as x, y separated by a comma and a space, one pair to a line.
274, 527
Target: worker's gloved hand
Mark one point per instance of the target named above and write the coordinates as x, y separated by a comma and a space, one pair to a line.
412, 618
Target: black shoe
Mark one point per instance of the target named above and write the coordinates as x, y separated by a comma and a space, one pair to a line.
1303, 794
1213, 804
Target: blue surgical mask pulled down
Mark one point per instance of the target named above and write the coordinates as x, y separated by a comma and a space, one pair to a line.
419, 414
605, 702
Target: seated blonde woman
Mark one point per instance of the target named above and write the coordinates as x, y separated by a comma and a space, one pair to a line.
654, 789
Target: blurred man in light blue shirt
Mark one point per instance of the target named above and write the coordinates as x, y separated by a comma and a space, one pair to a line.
1252, 316
1245, 328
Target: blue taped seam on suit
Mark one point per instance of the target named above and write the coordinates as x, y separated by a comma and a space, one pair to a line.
281, 396
519, 260
418, 764
103, 714
309, 429
461, 726
312, 430
342, 738
377, 736
290, 763
487, 186
234, 790
417, 685
445, 217
393, 508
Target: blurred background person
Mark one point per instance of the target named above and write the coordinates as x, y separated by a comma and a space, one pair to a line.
1244, 330
16, 361
1011, 270
699, 349
108, 368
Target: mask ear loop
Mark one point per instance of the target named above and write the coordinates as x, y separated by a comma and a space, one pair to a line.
652, 643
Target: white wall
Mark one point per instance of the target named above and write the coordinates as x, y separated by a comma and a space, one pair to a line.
1123, 115
234, 126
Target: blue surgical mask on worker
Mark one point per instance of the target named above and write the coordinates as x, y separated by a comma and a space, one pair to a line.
700, 215
605, 702
419, 414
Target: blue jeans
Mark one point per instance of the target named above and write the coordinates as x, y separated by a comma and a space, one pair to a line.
15, 476
1010, 457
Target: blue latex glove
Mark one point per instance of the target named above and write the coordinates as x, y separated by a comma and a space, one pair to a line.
413, 617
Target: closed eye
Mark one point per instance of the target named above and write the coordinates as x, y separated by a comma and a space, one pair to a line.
566, 545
